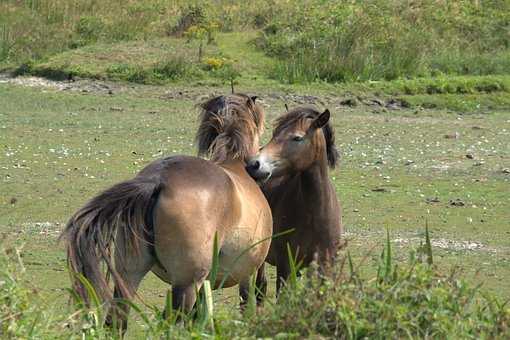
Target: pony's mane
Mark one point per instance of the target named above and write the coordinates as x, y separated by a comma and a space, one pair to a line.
228, 126
298, 116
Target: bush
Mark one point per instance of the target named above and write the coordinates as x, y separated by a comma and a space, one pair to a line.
193, 15
402, 301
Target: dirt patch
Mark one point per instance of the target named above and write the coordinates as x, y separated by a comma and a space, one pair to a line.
361, 237
46, 228
75, 85
446, 244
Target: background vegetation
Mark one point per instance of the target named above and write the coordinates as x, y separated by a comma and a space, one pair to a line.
307, 40
371, 40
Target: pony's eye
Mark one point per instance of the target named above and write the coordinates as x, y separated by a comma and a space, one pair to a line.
297, 138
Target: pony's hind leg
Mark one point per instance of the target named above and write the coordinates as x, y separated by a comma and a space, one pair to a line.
131, 266
260, 289
184, 297
244, 294
261, 285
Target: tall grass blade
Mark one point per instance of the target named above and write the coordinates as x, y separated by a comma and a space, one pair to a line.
293, 266
94, 299
387, 260
428, 244
209, 303
168, 311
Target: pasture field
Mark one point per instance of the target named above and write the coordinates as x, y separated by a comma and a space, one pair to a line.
91, 92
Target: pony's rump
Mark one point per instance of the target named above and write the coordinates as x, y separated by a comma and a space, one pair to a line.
90, 233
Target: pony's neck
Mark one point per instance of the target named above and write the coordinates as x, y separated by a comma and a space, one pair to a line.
314, 179
233, 164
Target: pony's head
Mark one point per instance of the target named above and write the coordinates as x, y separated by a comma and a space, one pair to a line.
230, 128
301, 138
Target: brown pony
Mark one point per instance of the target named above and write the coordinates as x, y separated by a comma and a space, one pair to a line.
166, 218
294, 169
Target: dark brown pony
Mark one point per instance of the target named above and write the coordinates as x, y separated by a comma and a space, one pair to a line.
294, 169
166, 218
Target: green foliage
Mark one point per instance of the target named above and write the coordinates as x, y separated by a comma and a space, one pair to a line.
38, 28
223, 69
332, 41
20, 315
338, 41
191, 16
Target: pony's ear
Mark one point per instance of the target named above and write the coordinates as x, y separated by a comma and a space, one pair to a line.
321, 120
250, 102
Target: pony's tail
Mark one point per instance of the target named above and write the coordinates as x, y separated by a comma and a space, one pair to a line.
90, 234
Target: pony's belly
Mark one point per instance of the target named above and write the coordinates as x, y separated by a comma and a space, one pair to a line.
241, 254
161, 273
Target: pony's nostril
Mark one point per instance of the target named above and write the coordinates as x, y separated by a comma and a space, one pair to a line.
253, 167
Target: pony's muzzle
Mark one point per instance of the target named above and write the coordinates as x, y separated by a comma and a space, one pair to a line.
256, 171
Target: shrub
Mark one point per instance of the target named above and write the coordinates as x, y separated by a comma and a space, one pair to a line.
214, 63
193, 15
173, 68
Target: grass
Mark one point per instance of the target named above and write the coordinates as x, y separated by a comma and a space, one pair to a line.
37, 29
164, 60
334, 42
